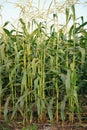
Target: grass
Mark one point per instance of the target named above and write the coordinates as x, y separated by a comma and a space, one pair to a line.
40, 72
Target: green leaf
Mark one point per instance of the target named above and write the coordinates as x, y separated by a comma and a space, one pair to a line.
7, 31
6, 110
24, 81
74, 78
2, 52
62, 108
38, 106
50, 109
6, 23
68, 82
83, 53
82, 25
21, 98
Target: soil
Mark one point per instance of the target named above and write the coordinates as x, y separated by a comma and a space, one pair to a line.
44, 126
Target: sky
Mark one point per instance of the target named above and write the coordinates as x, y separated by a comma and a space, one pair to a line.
11, 13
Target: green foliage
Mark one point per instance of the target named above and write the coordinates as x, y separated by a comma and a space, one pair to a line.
31, 127
41, 73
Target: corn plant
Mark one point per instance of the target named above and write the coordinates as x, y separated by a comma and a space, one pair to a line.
41, 68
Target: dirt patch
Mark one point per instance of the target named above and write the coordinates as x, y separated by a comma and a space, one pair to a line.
59, 126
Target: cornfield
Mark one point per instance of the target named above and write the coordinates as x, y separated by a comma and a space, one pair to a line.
43, 71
